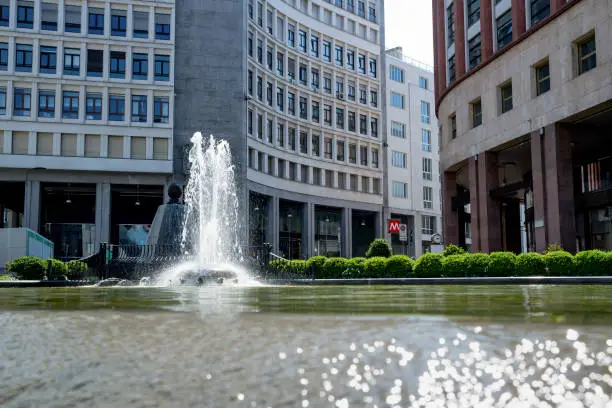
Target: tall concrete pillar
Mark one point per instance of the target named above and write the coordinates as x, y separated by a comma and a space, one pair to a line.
418, 235
489, 211
539, 192
518, 18
32, 205
103, 208
474, 203
450, 232
273, 223
308, 230
459, 38
486, 30
347, 238
378, 225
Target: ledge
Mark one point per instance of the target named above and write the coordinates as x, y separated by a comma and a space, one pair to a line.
531, 280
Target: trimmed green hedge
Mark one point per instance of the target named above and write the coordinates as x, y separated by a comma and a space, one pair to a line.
593, 263
477, 265
379, 247
428, 266
502, 264
354, 268
455, 266
58, 269
530, 264
560, 263
76, 270
375, 267
333, 268
399, 266
27, 268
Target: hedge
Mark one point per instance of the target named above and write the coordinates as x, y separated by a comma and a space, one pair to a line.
58, 269
428, 266
477, 265
530, 264
354, 268
28, 268
560, 263
593, 263
379, 247
455, 266
333, 268
76, 270
502, 264
399, 266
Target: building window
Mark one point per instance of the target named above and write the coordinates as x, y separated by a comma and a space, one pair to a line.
140, 20
340, 118
539, 10
476, 108
162, 26
280, 135
373, 98
425, 115
48, 18
373, 67
269, 130
428, 225
48, 60
506, 97
398, 159
95, 63
250, 122
3, 56
427, 168
399, 189
327, 148
363, 124
327, 116
161, 109
72, 61
70, 106
22, 103
504, 29
2, 101
473, 11
96, 21
116, 108
140, 66
587, 59
397, 100
291, 136
339, 55
352, 153
303, 142
259, 126
315, 112
451, 69
423, 83
25, 17
542, 78
280, 99
450, 24
290, 103
340, 150
375, 158
326, 51
23, 60
314, 45
350, 60
259, 88
363, 155
398, 129
475, 52
316, 145
362, 64
118, 23
374, 127
452, 121
428, 197
162, 67
117, 64
5, 13
426, 140
46, 104
94, 106
139, 108
303, 103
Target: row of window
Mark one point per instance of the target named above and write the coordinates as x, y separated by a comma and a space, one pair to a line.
586, 60
95, 20
400, 160
301, 173
400, 190
71, 63
349, 5
399, 101
398, 129
70, 105
397, 74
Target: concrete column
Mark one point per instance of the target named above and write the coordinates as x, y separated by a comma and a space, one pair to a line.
486, 29
459, 39
418, 235
539, 192
273, 223
32, 205
347, 239
489, 211
378, 225
518, 18
440, 46
103, 208
308, 230
474, 203
450, 218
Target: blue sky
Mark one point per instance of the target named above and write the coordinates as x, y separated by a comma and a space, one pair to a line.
408, 24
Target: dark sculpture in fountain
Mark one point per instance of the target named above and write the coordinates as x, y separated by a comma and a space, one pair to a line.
165, 233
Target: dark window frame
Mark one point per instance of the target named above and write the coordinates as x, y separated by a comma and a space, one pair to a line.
25, 17
93, 106
139, 114
46, 103
161, 109
70, 104
116, 108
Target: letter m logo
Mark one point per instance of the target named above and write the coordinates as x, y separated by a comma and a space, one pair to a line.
394, 226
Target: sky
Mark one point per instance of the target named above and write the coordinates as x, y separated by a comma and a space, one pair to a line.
409, 25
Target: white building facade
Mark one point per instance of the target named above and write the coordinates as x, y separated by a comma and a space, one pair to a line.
412, 162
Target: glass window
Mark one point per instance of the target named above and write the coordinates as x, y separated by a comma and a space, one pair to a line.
363, 124
139, 108
117, 64
476, 113
542, 78
374, 127
339, 55
587, 59
70, 107
72, 18
398, 129
351, 121
353, 153
373, 67
473, 11
397, 100
539, 10
161, 109
398, 159
95, 63
94, 106
303, 142
475, 52
327, 115
25, 15
375, 158
506, 97
4, 15
504, 29
340, 118
399, 189
426, 140
116, 108
314, 45
453, 126
162, 67
316, 145
396, 74
302, 40
291, 102
423, 83
72, 61
48, 17
291, 36
450, 24
428, 197
118, 23
22, 103
326, 51
428, 224
362, 64
3, 56
162, 26
48, 60
46, 104
425, 115
140, 66
427, 169
328, 149
340, 150
451, 69
303, 105
2, 101
280, 135
141, 24
23, 60
350, 60
96, 21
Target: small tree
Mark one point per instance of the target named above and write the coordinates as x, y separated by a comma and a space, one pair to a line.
58, 268
553, 248
452, 249
379, 247
27, 267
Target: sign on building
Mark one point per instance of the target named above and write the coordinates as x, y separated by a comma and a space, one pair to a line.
403, 232
394, 226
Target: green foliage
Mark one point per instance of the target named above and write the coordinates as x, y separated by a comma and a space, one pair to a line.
28, 268
553, 248
453, 249
429, 266
375, 267
476, 265
58, 269
502, 264
76, 270
560, 263
399, 266
354, 268
316, 262
379, 247
530, 264
333, 268
455, 266
592, 263
297, 266
6, 277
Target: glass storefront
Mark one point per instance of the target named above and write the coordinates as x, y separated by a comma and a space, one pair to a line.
328, 232
290, 230
72, 241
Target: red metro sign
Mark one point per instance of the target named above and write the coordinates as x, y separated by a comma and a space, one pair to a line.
394, 226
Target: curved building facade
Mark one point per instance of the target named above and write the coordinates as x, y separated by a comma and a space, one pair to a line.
524, 101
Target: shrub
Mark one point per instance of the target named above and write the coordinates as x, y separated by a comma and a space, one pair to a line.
76, 270
375, 267
455, 265
379, 247
6, 277
592, 263
280, 264
560, 263
317, 263
333, 268
399, 266
502, 264
530, 264
28, 267
297, 266
354, 268
58, 269
476, 264
429, 266
453, 249
553, 248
